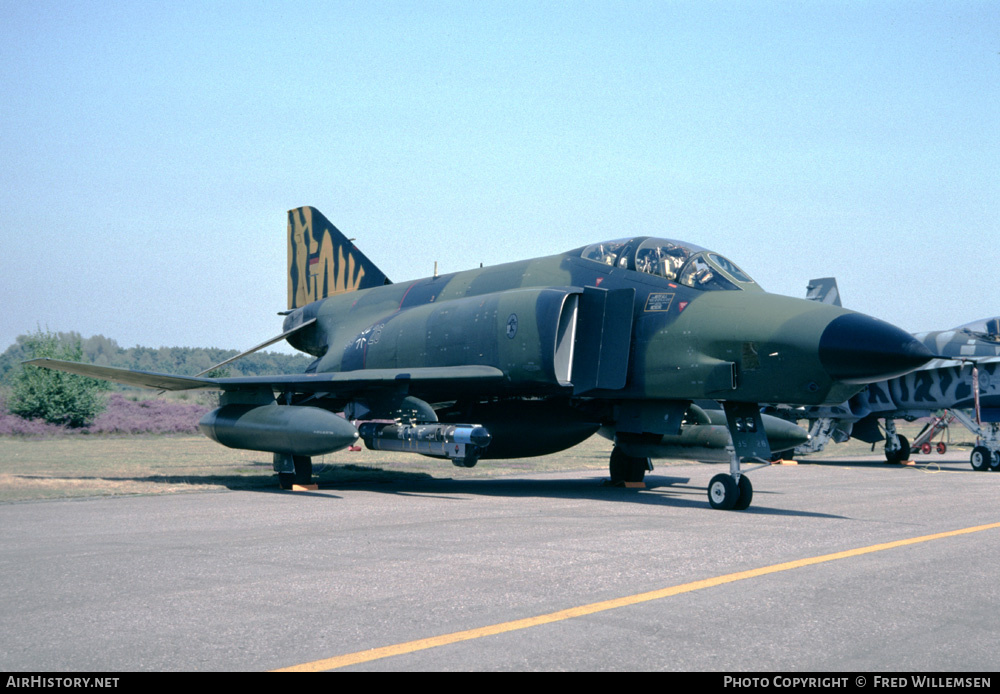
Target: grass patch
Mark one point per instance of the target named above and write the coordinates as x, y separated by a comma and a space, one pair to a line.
99, 466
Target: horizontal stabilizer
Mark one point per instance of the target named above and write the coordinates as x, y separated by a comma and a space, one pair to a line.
256, 348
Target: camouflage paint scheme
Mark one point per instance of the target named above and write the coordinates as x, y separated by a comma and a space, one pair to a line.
687, 343
621, 335
320, 266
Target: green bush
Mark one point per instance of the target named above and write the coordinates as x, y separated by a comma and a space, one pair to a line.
54, 396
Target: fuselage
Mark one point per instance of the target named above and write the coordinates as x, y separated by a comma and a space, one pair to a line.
689, 337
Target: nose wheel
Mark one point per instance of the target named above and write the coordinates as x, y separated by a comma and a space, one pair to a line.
749, 441
726, 494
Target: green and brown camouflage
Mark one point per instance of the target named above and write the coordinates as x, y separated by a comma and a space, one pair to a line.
320, 263
716, 336
533, 356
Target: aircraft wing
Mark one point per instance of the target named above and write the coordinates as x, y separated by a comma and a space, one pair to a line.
425, 379
947, 363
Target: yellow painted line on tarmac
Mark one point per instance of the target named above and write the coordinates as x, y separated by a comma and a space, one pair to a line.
593, 608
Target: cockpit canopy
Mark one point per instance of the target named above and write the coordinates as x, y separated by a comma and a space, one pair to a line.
685, 263
987, 329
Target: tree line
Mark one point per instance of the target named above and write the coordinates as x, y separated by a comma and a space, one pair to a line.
74, 401
184, 361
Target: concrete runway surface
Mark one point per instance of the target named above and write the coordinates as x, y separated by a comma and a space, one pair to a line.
265, 580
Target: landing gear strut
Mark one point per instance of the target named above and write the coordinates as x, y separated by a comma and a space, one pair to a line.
897, 447
746, 429
986, 455
292, 470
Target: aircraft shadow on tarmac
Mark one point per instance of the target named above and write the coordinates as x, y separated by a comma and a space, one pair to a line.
925, 462
659, 489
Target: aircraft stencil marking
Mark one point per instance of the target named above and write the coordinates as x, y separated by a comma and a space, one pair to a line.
659, 301
512, 326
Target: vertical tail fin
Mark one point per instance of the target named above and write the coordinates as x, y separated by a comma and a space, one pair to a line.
322, 262
823, 290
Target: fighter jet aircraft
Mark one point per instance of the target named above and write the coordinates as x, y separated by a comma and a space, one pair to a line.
966, 376
534, 356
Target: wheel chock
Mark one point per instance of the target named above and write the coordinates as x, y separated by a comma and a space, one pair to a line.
907, 462
784, 462
305, 487
635, 485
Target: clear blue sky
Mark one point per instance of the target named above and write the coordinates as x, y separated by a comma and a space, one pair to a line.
150, 150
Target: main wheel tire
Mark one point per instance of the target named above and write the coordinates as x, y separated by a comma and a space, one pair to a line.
301, 476
995, 461
901, 454
723, 493
627, 468
981, 458
303, 469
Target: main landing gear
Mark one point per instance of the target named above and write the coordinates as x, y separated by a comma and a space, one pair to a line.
626, 469
983, 459
293, 470
986, 455
897, 447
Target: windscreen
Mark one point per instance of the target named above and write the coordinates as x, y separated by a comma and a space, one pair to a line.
675, 261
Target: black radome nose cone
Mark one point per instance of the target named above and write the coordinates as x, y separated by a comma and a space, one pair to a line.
856, 348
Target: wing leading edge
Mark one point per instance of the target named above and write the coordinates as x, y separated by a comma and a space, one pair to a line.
340, 383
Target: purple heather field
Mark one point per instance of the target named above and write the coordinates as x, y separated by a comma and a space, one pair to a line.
122, 416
